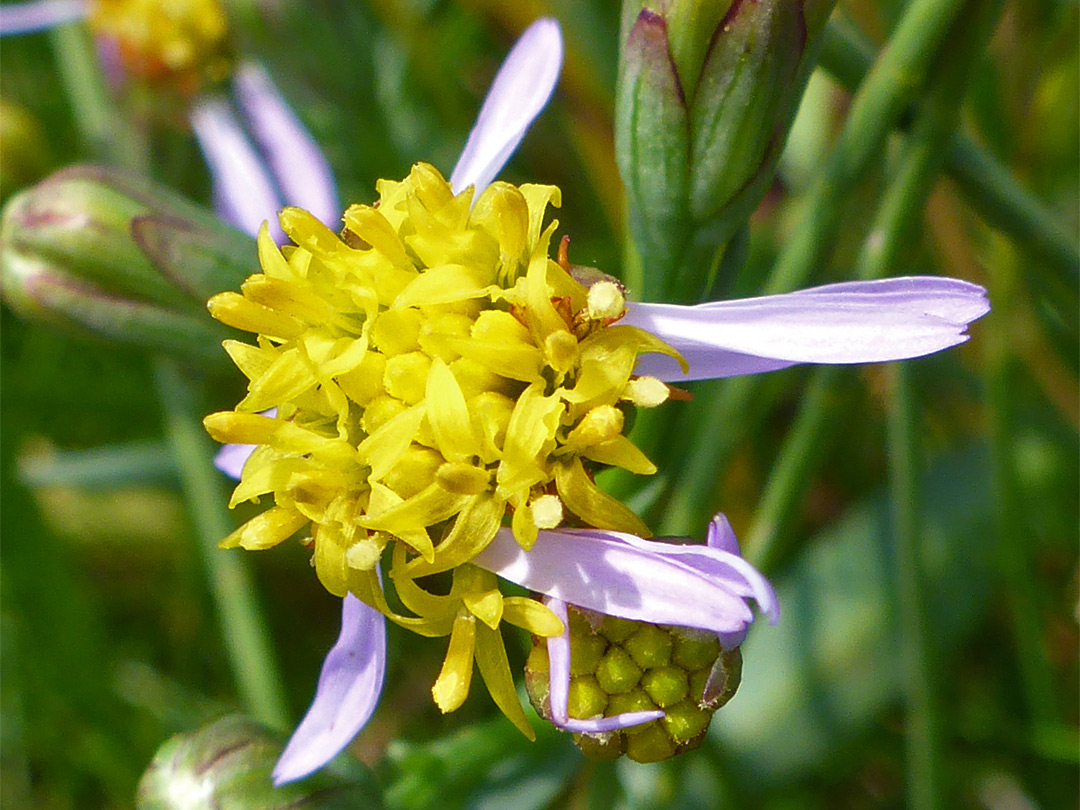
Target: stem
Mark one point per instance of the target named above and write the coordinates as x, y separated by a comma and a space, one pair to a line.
988, 186
923, 740
1013, 210
890, 87
242, 624
106, 133
1003, 381
768, 540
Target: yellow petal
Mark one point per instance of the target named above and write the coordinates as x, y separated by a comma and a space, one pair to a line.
479, 591
428, 507
621, 452
452, 686
448, 414
539, 197
594, 506
268, 476
372, 227
445, 284
383, 448
288, 377
421, 602
532, 615
232, 309
524, 527
270, 258
529, 437
495, 670
473, 529
251, 360
308, 232
268, 529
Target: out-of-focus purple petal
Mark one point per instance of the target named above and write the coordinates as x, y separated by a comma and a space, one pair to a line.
25, 18
242, 187
231, 459
621, 575
348, 690
520, 90
559, 683
298, 164
856, 322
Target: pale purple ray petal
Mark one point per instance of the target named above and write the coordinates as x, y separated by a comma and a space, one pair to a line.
855, 322
620, 575
559, 684
231, 458
242, 187
521, 88
720, 567
721, 536
348, 690
298, 164
25, 18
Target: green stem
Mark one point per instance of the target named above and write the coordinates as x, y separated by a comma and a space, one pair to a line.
890, 236
242, 624
890, 87
923, 740
1005, 205
1003, 381
988, 186
107, 135
888, 90
767, 543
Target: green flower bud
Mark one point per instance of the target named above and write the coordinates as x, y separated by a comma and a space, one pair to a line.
666, 685
617, 672
705, 97
649, 646
117, 257
645, 666
586, 697
586, 648
228, 764
651, 744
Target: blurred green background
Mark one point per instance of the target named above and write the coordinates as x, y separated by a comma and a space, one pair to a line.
110, 642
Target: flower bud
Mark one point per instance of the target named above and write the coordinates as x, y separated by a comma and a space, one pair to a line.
111, 255
619, 666
705, 97
228, 764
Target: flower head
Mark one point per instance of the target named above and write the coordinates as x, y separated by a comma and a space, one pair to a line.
431, 373
183, 43
432, 365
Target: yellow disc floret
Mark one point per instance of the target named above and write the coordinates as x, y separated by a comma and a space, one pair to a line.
433, 371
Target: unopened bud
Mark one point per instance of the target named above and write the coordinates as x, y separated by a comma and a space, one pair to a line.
116, 257
228, 764
705, 98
